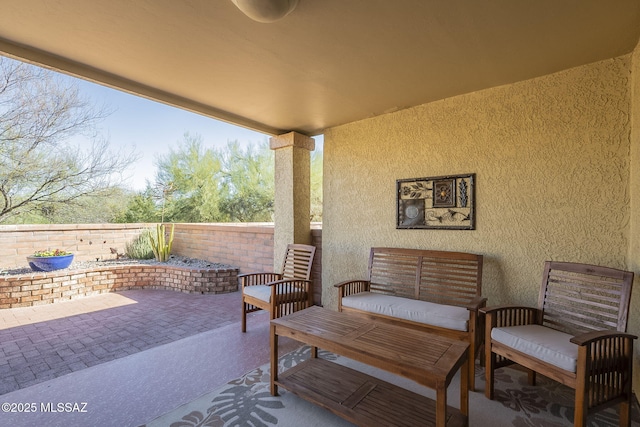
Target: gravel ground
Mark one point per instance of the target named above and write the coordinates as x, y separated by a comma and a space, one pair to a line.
179, 261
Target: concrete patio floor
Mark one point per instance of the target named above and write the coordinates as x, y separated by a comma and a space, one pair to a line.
129, 356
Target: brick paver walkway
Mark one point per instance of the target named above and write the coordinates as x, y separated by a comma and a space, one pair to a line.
41, 343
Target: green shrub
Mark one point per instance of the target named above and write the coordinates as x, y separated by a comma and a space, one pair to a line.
140, 247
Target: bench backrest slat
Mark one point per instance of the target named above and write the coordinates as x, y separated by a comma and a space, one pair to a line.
452, 281
452, 278
390, 272
576, 298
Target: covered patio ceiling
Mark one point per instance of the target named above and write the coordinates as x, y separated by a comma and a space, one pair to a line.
327, 63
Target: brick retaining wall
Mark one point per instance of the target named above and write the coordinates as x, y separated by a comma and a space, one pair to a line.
247, 246
88, 242
64, 285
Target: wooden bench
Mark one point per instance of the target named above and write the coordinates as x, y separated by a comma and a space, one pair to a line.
436, 291
575, 336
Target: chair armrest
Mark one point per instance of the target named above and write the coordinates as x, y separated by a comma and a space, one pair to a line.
258, 278
593, 336
513, 315
289, 290
605, 363
282, 283
476, 304
351, 287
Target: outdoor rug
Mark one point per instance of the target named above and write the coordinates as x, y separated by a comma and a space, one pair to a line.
246, 401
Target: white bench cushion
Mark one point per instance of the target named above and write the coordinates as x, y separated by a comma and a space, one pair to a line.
540, 342
261, 292
444, 316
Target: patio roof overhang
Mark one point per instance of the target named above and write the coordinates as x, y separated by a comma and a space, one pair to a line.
327, 63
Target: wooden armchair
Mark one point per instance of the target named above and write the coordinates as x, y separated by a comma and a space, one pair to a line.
575, 336
283, 293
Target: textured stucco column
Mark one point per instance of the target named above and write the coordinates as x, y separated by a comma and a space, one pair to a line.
292, 192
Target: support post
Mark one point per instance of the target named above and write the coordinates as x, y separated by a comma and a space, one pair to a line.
292, 211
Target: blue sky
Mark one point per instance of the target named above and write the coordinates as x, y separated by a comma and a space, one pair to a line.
152, 128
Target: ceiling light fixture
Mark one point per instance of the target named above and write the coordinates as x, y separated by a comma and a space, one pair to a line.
266, 10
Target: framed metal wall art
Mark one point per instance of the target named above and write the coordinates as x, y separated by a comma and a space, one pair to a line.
441, 202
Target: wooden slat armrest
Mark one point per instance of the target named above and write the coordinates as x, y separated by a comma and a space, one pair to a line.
505, 308
604, 361
350, 287
289, 290
259, 275
510, 315
258, 278
284, 282
589, 337
476, 304
350, 282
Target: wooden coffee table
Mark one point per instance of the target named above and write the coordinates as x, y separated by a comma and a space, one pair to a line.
425, 358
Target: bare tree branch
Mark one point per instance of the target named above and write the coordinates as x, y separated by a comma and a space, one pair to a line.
39, 114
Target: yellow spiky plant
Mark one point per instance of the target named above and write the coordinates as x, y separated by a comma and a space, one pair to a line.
162, 248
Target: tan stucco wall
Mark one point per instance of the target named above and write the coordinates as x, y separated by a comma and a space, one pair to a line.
634, 187
552, 162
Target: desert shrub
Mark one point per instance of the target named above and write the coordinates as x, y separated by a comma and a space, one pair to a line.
141, 246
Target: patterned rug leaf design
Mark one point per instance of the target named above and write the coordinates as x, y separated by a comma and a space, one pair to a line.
246, 401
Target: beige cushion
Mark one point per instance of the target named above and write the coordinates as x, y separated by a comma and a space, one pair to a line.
541, 343
261, 292
444, 316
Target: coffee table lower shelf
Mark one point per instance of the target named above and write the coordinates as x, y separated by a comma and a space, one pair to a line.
360, 398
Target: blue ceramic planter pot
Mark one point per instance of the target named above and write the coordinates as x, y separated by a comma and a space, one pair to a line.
49, 263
